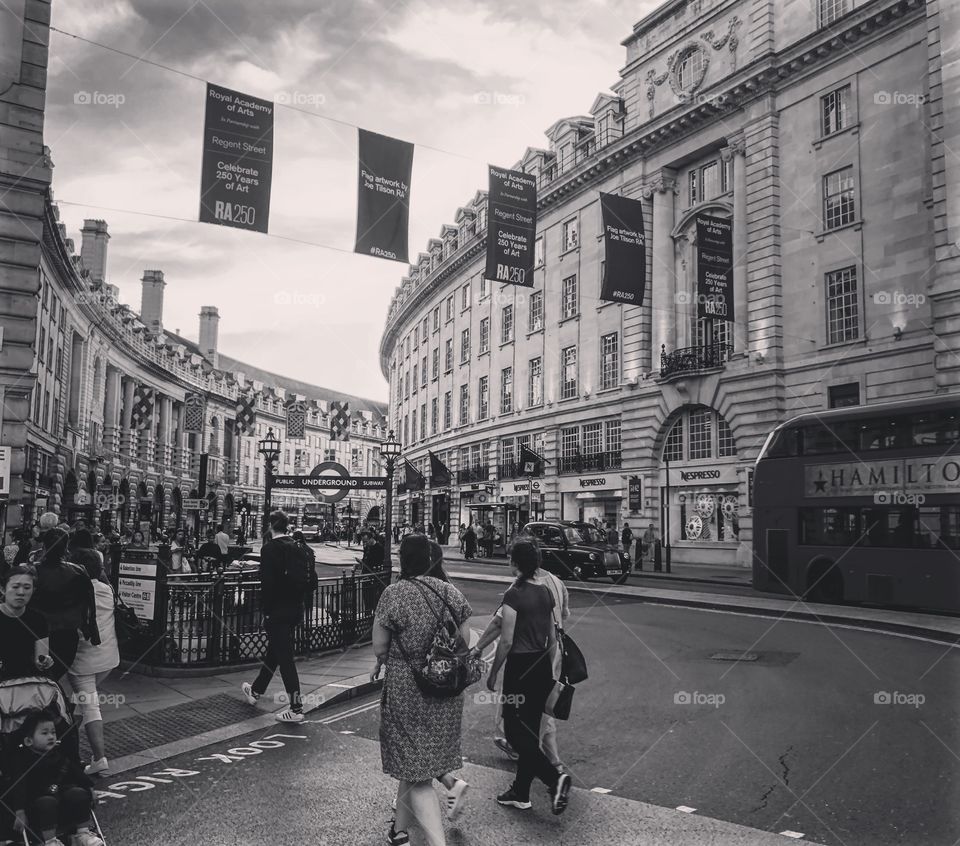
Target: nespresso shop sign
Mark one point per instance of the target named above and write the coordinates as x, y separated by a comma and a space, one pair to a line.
590, 483
699, 476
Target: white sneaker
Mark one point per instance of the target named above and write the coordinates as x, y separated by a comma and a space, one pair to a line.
55, 842
86, 838
455, 797
248, 694
289, 716
99, 767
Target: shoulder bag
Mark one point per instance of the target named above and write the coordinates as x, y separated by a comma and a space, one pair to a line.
573, 666
127, 624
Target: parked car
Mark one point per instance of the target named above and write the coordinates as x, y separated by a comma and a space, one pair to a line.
573, 550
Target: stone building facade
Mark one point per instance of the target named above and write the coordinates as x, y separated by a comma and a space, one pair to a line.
819, 130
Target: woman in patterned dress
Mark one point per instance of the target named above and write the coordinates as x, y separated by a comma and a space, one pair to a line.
419, 735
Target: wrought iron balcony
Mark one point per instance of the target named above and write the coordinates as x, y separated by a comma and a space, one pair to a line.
478, 473
691, 359
510, 470
611, 460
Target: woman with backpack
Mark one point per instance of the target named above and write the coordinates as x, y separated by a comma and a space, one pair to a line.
419, 735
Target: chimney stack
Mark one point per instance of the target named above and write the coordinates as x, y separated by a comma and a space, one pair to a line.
209, 325
151, 300
93, 249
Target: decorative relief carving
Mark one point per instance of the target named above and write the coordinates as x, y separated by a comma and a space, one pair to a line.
730, 40
660, 185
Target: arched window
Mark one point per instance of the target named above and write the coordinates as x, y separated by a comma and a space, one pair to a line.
699, 433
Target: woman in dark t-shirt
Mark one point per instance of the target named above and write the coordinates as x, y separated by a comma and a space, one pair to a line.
24, 648
527, 644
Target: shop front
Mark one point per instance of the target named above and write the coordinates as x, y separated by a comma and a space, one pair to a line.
480, 506
522, 504
590, 499
440, 513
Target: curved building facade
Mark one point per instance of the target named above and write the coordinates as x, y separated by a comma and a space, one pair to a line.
846, 292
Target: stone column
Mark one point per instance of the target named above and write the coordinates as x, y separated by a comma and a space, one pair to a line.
111, 411
180, 444
127, 435
663, 289
163, 445
735, 153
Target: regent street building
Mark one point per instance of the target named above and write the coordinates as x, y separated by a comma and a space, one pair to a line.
790, 119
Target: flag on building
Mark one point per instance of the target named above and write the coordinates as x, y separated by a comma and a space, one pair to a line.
413, 478
531, 464
296, 419
339, 421
439, 472
143, 401
194, 408
246, 412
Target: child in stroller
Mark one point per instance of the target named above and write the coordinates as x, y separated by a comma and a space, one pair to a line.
43, 778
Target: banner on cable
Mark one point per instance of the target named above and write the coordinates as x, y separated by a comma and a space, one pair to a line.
625, 250
511, 226
141, 416
714, 267
296, 419
194, 408
383, 199
237, 160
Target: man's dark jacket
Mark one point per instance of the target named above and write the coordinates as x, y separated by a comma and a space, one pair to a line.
281, 600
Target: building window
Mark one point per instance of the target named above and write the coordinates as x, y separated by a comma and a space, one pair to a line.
465, 346
423, 421
483, 400
464, 298
842, 396
448, 356
507, 453
464, 404
436, 319
406, 428
571, 234
839, 207
609, 361
726, 446
613, 437
592, 438
506, 390
693, 187
701, 440
447, 410
413, 425
484, 335
423, 372
535, 383
569, 442
450, 308
673, 448
568, 360
569, 297
536, 311
538, 252
425, 330
831, 10
42, 346
506, 325
843, 312
834, 110
484, 288
690, 70
415, 382
416, 336
481, 219
435, 366
708, 181
406, 385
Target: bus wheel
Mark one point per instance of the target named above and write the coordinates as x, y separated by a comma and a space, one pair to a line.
824, 584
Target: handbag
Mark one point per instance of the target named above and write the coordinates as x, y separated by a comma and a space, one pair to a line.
573, 666
128, 626
559, 701
449, 667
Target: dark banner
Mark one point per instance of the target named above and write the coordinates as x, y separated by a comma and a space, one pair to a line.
296, 420
714, 267
635, 493
511, 226
625, 250
531, 464
439, 472
237, 160
383, 201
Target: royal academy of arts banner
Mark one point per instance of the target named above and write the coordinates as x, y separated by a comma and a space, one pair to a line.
625, 250
714, 267
511, 226
383, 202
237, 160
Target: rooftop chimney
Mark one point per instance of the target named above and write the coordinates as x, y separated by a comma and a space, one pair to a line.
151, 300
93, 250
209, 325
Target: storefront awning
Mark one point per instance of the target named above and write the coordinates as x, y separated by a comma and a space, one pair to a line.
600, 495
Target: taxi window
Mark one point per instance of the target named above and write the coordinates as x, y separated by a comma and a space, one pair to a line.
551, 534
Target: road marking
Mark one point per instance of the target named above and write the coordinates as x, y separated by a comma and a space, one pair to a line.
686, 809
347, 686
599, 790
347, 731
794, 834
354, 713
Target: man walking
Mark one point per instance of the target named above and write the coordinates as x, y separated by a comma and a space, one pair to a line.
284, 582
626, 538
648, 542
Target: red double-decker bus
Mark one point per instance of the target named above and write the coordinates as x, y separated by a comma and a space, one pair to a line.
862, 504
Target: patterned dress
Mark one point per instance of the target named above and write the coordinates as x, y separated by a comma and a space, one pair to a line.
419, 735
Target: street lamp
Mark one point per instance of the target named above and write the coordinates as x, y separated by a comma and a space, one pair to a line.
269, 448
390, 450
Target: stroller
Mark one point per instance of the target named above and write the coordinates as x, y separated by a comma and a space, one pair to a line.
18, 698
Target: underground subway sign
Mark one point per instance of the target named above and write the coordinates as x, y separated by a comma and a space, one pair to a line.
169, 775
330, 476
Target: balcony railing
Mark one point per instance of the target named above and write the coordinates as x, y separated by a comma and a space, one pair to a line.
690, 359
510, 470
610, 460
477, 473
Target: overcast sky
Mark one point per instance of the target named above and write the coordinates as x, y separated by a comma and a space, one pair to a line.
412, 70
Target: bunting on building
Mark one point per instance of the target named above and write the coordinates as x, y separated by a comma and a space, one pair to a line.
194, 407
296, 419
143, 402
339, 421
246, 412
413, 478
439, 472
531, 464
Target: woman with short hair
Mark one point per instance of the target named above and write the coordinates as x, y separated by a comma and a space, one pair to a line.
24, 643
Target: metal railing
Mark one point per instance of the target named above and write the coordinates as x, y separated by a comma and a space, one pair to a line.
688, 359
510, 470
611, 460
478, 473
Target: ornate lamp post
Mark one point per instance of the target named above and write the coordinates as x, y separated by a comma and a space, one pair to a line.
390, 450
269, 448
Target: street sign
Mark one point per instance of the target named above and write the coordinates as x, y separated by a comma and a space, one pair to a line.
330, 476
195, 504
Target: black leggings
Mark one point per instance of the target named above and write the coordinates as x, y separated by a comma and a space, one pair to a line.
63, 651
528, 676
280, 654
67, 809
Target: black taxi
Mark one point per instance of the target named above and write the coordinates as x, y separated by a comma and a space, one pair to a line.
572, 550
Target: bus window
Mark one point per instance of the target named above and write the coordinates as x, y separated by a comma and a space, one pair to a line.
939, 526
787, 443
936, 427
835, 436
884, 434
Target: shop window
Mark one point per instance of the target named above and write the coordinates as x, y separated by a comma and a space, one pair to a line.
710, 516
700, 434
673, 448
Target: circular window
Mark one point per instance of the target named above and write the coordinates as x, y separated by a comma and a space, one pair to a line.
689, 70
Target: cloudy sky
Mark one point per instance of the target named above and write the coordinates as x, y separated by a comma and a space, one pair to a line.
412, 70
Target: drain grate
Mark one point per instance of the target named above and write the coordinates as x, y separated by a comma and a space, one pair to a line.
734, 656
